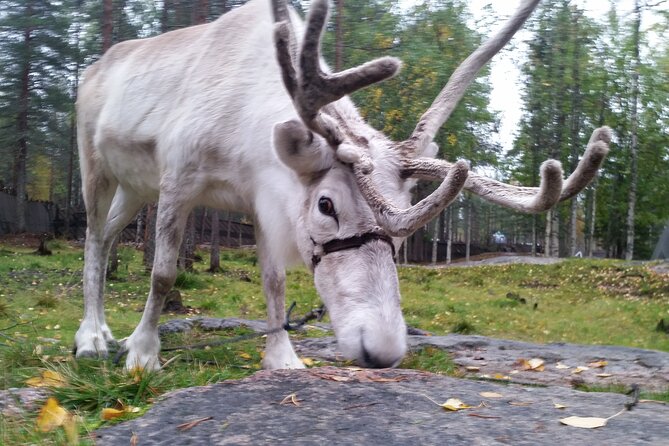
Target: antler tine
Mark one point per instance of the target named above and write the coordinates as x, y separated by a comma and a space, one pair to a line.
442, 107
401, 223
312, 89
587, 168
551, 190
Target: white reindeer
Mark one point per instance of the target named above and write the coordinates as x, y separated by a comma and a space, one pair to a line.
205, 116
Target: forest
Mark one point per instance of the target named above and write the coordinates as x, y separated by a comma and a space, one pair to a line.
578, 73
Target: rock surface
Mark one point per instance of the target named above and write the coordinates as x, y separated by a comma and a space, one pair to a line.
479, 356
341, 406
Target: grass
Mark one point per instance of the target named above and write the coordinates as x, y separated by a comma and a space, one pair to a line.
582, 301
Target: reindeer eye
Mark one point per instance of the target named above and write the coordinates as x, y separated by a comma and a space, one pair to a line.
326, 206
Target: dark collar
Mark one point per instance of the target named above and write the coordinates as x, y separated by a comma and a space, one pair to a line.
341, 244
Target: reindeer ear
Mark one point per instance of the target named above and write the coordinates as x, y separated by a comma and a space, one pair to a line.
299, 149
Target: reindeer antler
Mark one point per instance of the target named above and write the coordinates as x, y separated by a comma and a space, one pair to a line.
527, 199
312, 91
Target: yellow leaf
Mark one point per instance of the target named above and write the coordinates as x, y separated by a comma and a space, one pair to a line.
472, 368
579, 369
491, 395
598, 364
308, 362
604, 375
455, 404
559, 406
48, 378
535, 364
501, 376
51, 416
244, 355
53, 379
584, 422
109, 414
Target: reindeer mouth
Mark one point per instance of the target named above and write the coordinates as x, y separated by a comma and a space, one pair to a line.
373, 361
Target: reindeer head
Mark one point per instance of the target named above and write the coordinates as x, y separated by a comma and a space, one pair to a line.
357, 182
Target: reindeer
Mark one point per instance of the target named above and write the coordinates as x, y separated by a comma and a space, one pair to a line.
205, 116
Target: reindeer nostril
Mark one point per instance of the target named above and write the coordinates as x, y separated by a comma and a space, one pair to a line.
372, 361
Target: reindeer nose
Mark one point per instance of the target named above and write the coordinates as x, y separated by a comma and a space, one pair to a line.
373, 361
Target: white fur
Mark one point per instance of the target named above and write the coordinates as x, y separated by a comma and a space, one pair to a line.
188, 117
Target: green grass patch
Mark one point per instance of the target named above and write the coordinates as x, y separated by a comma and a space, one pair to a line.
580, 301
431, 359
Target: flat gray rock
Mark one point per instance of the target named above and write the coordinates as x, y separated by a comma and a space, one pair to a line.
347, 406
480, 356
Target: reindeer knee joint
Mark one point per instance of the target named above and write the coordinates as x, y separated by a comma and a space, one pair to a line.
162, 283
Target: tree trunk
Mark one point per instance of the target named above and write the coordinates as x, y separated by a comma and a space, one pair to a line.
201, 12
468, 229
150, 237
339, 36
107, 24
23, 126
215, 258
435, 239
449, 234
112, 264
555, 233
534, 235
573, 223
576, 108
631, 199
590, 218
187, 250
547, 242
140, 226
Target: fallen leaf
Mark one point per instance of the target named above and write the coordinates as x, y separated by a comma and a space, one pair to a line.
244, 355
109, 413
598, 364
501, 376
51, 416
520, 403
604, 375
191, 424
579, 369
472, 368
534, 364
559, 406
491, 395
561, 366
120, 410
48, 378
584, 422
291, 399
454, 404
308, 362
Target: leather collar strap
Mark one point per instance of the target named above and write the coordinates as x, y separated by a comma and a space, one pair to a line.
341, 244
